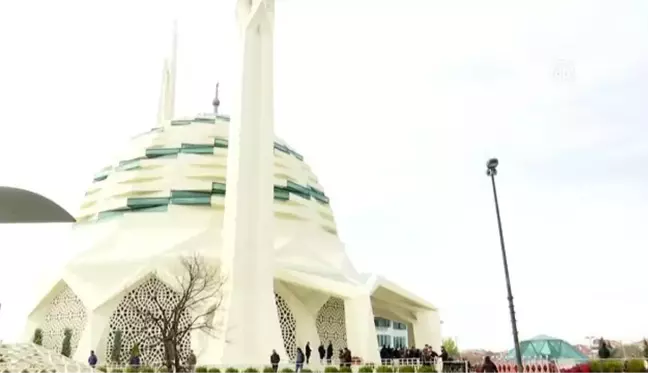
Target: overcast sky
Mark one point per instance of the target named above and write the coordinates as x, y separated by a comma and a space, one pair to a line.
396, 105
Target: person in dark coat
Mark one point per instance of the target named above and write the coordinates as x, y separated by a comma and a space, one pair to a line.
489, 366
322, 352
274, 361
444, 354
329, 352
308, 352
92, 360
299, 360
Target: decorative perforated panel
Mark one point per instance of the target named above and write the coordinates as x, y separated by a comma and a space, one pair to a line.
331, 325
65, 312
288, 326
125, 319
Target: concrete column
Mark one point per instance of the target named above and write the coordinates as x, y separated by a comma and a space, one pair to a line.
361, 331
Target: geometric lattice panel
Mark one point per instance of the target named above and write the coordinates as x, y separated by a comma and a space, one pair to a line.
66, 311
288, 326
125, 319
331, 325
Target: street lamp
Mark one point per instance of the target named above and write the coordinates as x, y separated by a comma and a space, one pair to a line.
491, 170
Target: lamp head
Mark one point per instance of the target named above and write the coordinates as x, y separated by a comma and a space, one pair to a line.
491, 167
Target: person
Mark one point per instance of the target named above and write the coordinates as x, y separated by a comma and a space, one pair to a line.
308, 352
274, 361
489, 366
92, 360
299, 360
604, 350
322, 352
329, 352
191, 361
444, 354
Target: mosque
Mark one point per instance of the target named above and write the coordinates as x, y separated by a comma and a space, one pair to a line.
237, 195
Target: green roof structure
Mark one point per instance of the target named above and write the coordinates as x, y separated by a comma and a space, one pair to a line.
545, 347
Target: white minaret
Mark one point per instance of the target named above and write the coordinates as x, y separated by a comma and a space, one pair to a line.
251, 326
167, 91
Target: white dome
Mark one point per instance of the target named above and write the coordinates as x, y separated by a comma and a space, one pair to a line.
184, 166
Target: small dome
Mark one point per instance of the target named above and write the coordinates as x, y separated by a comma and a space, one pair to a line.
184, 166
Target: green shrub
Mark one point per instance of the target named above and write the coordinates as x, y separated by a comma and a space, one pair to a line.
366, 369
132, 369
595, 366
231, 370
214, 370
330, 369
163, 370
135, 350
117, 370
287, 370
268, 370
385, 369
202, 370
147, 370
102, 369
612, 366
38, 337
66, 347
251, 370
306, 370
426, 369
636, 366
407, 369
115, 354
345, 369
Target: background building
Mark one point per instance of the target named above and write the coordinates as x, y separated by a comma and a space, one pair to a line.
391, 333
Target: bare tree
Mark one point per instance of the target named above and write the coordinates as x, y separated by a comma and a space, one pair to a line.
170, 318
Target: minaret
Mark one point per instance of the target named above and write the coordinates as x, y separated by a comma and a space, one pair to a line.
251, 325
167, 91
216, 101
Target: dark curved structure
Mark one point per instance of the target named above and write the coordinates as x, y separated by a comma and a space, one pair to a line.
22, 206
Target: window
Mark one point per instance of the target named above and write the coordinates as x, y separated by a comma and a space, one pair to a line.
161, 152
137, 203
399, 325
381, 323
204, 120
281, 194
191, 198
400, 342
197, 149
220, 142
298, 189
131, 164
218, 189
384, 340
181, 122
100, 177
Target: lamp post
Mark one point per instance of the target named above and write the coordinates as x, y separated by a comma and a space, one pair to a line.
491, 170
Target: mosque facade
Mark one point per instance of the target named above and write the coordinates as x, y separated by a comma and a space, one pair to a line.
233, 193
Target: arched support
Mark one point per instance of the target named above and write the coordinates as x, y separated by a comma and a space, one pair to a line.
361, 331
96, 333
305, 319
427, 329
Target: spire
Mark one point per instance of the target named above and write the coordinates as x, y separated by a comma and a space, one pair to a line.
167, 92
216, 102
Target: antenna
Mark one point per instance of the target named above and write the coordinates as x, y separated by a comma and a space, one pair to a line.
167, 91
216, 101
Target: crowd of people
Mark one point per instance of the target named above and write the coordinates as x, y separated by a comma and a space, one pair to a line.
302, 357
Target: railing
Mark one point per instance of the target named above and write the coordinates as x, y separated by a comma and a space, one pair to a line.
385, 365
